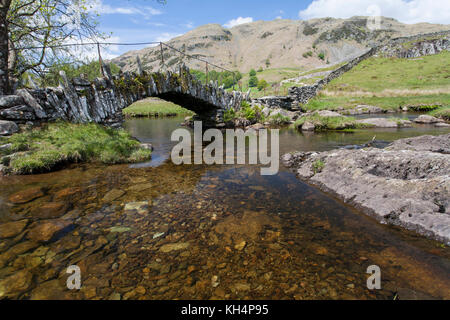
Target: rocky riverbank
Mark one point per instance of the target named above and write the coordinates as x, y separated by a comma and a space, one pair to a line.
406, 184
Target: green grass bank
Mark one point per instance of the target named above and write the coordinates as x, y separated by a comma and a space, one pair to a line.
54, 145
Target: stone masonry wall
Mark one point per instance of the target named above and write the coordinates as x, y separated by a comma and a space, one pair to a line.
102, 100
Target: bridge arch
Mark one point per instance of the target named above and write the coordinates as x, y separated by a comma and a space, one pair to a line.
101, 101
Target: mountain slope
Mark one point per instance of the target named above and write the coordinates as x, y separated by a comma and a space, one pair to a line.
275, 44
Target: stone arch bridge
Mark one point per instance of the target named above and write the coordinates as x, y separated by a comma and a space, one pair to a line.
101, 101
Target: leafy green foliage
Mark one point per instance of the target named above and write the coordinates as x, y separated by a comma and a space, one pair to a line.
321, 56
228, 79
253, 82
318, 166
252, 73
262, 84
247, 111
229, 115
90, 69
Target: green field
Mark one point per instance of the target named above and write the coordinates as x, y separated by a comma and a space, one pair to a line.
154, 107
390, 83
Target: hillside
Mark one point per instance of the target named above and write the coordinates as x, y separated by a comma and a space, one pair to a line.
276, 44
390, 83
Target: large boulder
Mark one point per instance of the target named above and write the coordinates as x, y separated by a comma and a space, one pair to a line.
308, 126
8, 128
21, 113
426, 119
10, 101
405, 184
327, 113
385, 123
363, 109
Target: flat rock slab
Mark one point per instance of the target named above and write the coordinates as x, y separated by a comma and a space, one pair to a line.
385, 123
406, 184
8, 128
426, 119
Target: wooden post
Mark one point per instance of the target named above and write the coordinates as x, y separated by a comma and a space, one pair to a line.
207, 73
100, 60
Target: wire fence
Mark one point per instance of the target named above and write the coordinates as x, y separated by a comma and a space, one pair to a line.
210, 68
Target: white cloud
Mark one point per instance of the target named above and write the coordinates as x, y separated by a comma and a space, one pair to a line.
413, 11
235, 22
166, 36
188, 25
99, 7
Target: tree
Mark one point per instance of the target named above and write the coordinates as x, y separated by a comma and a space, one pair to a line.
253, 81
262, 84
41, 26
252, 73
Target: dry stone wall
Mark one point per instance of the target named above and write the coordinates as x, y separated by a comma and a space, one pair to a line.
101, 101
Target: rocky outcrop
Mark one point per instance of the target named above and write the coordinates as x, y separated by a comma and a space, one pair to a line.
406, 184
102, 100
417, 46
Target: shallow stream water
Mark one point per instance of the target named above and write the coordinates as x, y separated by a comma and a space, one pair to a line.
160, 231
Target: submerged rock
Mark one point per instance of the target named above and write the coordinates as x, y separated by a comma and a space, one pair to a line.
14, 285
139, 207
45, 231
11, 229
112, 195
405, 184
26, 195
174, 247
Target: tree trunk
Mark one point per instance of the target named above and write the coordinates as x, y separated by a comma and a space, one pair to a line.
4, 48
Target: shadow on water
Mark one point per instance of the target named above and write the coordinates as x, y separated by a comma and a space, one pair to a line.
160, 231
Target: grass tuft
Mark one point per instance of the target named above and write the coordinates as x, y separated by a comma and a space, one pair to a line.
42, 150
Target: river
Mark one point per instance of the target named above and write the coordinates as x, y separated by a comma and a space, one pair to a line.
210, 232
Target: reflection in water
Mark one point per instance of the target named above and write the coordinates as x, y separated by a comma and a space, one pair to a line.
199, 232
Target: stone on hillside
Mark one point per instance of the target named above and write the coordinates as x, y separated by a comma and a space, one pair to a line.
426, 119
279, 111
147, 146
12, 229
45, 231
32, 102
379, 122
266, 111
22, 112
10, 101
308, 126
326, 113
8, 128
26, 195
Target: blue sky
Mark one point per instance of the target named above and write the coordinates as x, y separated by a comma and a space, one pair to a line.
147, 20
